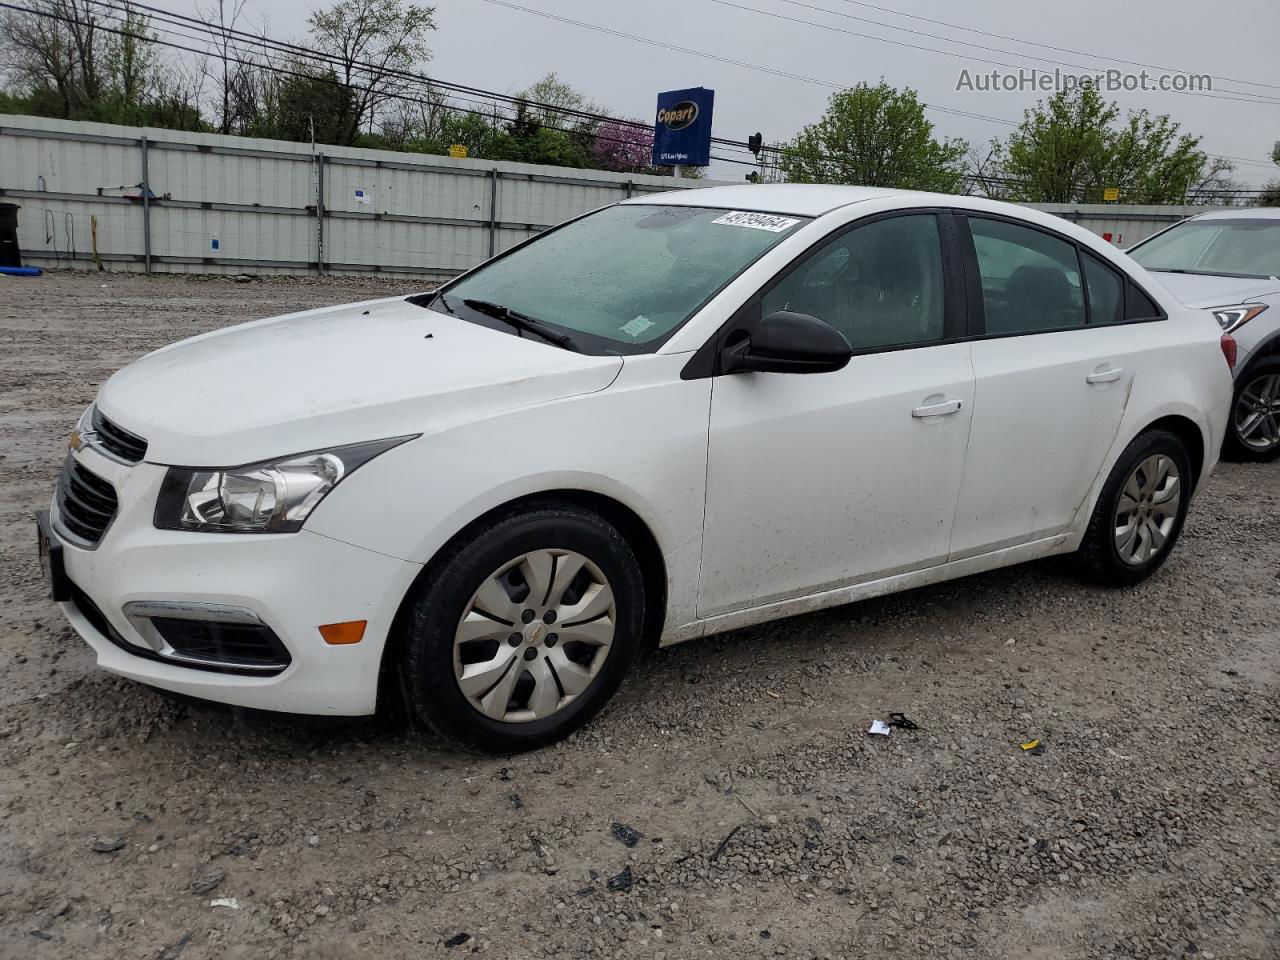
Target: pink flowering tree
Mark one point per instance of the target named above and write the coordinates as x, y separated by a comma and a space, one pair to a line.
623, 148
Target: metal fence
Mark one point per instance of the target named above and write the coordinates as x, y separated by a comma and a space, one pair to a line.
166, 201
1120, 223
161, 200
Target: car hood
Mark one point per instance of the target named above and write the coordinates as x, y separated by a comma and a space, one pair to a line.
1197, 290
336, 375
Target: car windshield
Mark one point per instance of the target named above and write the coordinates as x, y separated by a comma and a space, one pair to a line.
621, 280
1228, 248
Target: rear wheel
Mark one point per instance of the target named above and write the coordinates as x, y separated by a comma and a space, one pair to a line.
1139, 515
1254, 433
525, 631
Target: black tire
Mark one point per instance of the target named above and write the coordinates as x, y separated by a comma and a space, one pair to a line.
1099, 557
1233, 446
431, 691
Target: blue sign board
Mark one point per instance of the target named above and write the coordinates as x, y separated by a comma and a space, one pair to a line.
682, 128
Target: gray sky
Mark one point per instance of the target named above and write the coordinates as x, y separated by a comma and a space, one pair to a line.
495, 47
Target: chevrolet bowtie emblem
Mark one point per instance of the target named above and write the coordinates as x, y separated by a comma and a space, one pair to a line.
79, 440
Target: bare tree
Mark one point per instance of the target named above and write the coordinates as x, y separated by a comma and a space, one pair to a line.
54, 44
223, 17
982, 175
1215, 185
374, 44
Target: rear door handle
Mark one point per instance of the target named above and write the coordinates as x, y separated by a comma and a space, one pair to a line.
943, 409
1105, 374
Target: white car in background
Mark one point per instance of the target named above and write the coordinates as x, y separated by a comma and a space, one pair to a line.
1228, 262
671, 417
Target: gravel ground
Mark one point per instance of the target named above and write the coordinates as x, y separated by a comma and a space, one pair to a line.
729, 803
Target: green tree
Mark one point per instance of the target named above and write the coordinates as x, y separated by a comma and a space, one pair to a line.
61, 62
875, 136
1073, 146
1270, 196
553, 103
305, 104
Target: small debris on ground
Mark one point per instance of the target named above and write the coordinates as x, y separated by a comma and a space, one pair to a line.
457, 940
880, 728
171, 952
229, 902
207, 882
622, 882
625, 835
110, 846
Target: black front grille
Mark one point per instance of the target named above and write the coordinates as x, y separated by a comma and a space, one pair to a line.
229, 644
86, 503
118, 441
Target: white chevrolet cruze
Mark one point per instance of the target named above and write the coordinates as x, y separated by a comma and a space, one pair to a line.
671, 417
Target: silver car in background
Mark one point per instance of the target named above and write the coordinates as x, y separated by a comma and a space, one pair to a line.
1228, 262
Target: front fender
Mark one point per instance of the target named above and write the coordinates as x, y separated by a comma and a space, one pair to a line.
641, 442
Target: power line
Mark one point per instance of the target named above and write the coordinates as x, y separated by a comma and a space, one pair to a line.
211, 31
1246, 98
1043, 46
716, 57
220, 31
294, 73
750, 66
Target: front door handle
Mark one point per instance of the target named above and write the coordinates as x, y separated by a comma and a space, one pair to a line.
1105, 374
943, 408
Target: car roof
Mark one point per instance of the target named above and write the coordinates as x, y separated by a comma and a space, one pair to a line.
1241, 213
797, 199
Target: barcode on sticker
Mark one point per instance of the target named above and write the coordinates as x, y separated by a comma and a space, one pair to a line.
757, 221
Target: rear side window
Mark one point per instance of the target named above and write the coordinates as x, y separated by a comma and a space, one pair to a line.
880, 284
1106, 291
1138, 306
1030, 280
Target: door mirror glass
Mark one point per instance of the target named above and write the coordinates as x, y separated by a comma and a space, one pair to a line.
786, 342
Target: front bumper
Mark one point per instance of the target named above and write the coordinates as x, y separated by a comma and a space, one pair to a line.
291, 583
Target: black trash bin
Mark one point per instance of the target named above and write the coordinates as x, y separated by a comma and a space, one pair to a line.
10, 255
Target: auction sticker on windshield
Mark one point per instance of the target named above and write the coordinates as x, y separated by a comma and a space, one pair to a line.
757, 221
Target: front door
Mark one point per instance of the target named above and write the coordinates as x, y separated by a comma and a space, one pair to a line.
818, 481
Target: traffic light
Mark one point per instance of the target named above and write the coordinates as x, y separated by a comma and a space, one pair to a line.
755, 142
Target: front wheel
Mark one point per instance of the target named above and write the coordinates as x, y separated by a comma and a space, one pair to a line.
523, 632
1254, 432
1140, 512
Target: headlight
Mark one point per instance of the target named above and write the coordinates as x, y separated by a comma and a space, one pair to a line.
1233, 318
275, 496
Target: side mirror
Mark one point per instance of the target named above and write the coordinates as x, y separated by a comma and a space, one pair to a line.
786, 342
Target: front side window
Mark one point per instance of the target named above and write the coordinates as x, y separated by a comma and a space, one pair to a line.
1244, 247
880, 284
625, 278
1030, 279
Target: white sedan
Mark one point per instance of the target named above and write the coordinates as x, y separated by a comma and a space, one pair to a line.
671, 417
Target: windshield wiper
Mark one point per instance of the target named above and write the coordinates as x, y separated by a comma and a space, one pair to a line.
523, 321
1210, 273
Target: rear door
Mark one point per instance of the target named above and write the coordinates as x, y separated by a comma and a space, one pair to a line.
1054, 361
